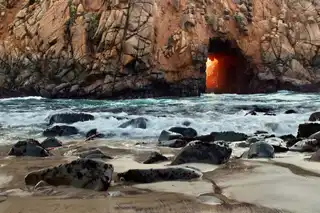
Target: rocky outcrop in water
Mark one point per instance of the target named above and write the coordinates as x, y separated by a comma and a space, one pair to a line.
28, 147
125, 49
69, 118
62, 130
82, 173
135, 123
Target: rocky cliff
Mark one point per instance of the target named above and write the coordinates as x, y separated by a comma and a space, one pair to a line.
148, 48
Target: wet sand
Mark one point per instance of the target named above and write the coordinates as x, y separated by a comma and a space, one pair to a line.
277, 185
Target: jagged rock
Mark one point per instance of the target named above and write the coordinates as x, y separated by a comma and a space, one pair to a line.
167, 136
315, 116
307, 129
93, 153
28, 147
155, 157
305, 145
203, 152
81, 173
69, 118
186, 132
50, 143
260, 150
156, 175
229, 136
135, 123
62, 130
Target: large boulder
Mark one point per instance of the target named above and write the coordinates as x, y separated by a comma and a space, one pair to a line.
135, 123
81, 173
167, 136
51, 143
156, 175
28, 147
229, 136
307, 129
62, 130
203, 152
155, 157
315, 136
69, 118
260, 150
306, 145
315, 116
186, 132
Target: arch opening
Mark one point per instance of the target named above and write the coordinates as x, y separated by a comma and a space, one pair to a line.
227, 69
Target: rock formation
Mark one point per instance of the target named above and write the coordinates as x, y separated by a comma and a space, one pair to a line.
132, 48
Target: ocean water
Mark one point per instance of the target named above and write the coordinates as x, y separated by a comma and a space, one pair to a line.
27, 117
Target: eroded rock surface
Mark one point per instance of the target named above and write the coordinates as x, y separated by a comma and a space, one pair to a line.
131, 48
82, 173
203, 152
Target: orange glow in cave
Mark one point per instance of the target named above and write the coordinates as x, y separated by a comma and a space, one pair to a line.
211, 73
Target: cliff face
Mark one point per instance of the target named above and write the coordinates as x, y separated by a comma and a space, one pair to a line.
148, 48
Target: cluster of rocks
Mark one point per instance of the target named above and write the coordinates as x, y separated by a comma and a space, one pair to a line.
90, 170
243, 15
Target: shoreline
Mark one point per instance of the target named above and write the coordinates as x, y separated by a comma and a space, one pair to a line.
170, 196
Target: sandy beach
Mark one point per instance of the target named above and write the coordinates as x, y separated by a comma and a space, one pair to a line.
278, 185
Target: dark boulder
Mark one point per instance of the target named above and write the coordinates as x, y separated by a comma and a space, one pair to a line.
93, 153
167, 135
206, 138
69, 118
155, 157
229, 136
175, 143
306, 145
315, 116
62, 130
92, 134
50, 143
290, 111
260, 150
156, 175
28, 147
307, 129
135, 123
315, 156
203, 152
185, 132
81, 173
289, 139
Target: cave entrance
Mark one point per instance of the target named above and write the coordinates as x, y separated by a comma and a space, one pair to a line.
227, 69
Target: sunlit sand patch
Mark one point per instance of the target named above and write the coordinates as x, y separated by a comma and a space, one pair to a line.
209, 199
